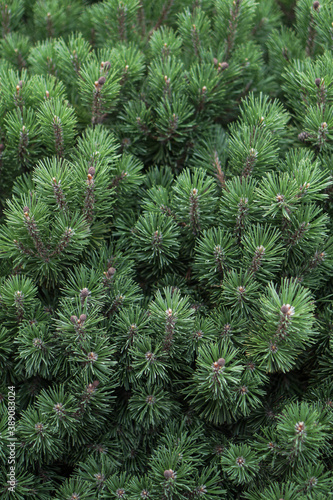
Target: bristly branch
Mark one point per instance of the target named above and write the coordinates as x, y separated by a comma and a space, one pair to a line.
234, 12
59, 195
219, 174
63, 243
33, 230
164, 14
194, 211
89, 200
58, 136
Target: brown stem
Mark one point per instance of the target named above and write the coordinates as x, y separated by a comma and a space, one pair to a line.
142, 19
164, 14
63, 243
194, 211
5, 20
234, 12
58, 136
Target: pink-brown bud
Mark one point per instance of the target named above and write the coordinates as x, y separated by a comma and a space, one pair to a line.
84, 293
285, 308
111, 271
169, 474
223, 66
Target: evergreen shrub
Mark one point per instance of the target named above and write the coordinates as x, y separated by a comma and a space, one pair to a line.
166, 249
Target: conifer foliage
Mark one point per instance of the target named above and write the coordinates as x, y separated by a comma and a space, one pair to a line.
166, 249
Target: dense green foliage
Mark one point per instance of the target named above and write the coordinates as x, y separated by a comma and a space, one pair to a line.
166, 258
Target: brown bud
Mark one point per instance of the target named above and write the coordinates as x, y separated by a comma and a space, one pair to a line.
83, 318
111, 271
20, 83
303, 136
84, 293
92, 356
215, 61
101, 80
107, 65
300, 427
316, 5
126, 142
223, 66
285, 309
317, 82
73, 319
221, 362
90, 388
26, 209
91, 171
169, 474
